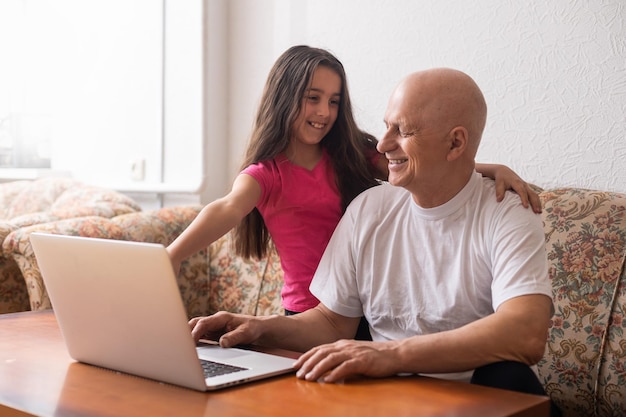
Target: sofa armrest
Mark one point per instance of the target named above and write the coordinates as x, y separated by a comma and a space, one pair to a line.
156, 226
5, 229
583, 366
17, 245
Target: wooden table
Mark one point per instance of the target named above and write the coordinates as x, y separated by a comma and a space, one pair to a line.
37, 377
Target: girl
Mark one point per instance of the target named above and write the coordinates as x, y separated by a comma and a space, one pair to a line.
306, 161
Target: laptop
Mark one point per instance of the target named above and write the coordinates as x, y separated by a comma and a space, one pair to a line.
119, 307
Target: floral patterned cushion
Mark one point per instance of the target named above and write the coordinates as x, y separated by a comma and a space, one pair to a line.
18, 244
244, 286
210, 280
158, 226
21, 197
27, 203
59, 198
584, 368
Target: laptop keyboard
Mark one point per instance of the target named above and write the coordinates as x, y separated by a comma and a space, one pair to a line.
215, 368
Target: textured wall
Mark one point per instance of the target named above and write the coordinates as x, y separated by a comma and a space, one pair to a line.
553, 72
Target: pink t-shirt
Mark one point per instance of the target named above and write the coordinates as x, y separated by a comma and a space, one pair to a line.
301, 209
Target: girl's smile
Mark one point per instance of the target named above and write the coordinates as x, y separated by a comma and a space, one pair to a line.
319, 107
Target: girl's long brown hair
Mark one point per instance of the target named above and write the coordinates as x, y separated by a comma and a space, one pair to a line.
281, 102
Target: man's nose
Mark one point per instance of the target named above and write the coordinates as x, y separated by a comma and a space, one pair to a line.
384, 143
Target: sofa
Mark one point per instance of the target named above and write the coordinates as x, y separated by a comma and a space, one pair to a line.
209, 281
584, 366
26, 203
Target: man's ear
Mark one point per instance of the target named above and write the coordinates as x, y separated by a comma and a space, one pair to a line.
458, 142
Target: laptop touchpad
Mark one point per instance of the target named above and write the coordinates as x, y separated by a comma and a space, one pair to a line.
216, 352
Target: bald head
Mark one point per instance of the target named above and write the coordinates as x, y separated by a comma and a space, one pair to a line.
445, 98
434, 122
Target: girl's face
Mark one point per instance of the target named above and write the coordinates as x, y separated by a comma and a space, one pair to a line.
319, 107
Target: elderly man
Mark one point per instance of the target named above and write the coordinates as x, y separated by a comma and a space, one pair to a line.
452, 283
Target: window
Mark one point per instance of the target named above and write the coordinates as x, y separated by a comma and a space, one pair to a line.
84, 84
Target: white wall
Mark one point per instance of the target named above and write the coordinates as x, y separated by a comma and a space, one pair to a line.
553, 73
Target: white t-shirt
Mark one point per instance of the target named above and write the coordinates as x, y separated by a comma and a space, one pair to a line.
413, 271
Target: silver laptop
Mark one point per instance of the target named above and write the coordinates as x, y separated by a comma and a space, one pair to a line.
119, 307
